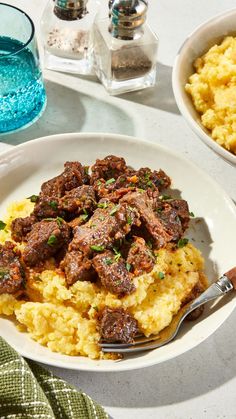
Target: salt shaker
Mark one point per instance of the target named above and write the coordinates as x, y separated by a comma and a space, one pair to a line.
66, 27
125, 48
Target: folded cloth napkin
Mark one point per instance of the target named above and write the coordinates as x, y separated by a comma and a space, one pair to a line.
29, 391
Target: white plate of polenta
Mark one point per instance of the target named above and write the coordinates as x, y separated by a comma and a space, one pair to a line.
51, 328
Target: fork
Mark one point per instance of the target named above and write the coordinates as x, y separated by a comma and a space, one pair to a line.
225, 284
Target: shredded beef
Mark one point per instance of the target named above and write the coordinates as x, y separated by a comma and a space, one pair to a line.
11, 269
20, 227
106, 226
44, 240
74, 175
77, 268
117, 325
108, 168
79, 200
113, 274
140, 257
144, 205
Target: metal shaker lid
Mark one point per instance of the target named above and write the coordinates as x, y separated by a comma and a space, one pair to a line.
128, 14
70, 9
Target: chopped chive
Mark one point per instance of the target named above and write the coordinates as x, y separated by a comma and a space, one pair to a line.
182, 242
97, 248
103, 205
129, 220
114, 210
165, 197
52, 240
108, 261
53, 205
161, 275
2, 225
95, 308
149, 183
109, 181
60, 221
128, 266
84, 217
191, 214
33, 198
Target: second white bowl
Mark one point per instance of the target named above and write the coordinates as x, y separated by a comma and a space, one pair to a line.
196, 44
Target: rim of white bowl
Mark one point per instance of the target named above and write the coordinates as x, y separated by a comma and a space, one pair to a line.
207, 139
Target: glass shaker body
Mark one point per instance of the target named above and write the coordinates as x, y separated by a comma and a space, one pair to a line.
124, 65
68, 43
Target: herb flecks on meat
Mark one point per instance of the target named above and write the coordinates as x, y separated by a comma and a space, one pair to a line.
117, 325
11, 269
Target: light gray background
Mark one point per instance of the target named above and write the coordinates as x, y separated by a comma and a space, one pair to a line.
201, 383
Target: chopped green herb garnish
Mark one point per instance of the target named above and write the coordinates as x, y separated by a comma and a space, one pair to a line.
149, 183
182, 242
52, 240
60, 221
95, 308
114, 210
129, 220
33, 198
161, 275
108, 261
117, 254
109, 181
191, 214
2, 225
4, 273
165, 197
97, 248
53, 205
128, 266
86, 170
84, 217
159, 210
149, 243
103, 205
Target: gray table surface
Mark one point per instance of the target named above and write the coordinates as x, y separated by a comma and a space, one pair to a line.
201, 383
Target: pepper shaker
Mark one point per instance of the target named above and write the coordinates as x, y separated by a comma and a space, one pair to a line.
125, 48
66, 27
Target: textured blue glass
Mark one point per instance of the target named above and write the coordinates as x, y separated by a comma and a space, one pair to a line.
22, 94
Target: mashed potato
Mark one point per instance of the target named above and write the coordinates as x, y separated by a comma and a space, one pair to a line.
213, 91
65, 319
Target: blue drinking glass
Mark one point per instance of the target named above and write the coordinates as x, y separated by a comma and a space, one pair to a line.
22, 93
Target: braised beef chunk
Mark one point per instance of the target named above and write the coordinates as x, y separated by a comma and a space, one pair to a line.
20, 227
143, 202
113, 273
74, 175
11, 269
77, 268
140, 257
47, 207
182, 209
117, 325
160, 179
108, 224
169, 218
44, 240
79, 200
108, 168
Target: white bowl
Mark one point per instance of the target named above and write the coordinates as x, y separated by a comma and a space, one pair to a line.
196, 44
25, 167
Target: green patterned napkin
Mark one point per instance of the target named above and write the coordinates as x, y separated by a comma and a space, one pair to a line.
29, 391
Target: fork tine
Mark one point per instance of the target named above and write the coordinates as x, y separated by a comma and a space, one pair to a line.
138, 348
138, 341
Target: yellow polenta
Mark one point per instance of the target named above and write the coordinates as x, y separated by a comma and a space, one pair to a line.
213, 91
64, 319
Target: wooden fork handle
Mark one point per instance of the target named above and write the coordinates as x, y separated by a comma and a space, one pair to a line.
231, 275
